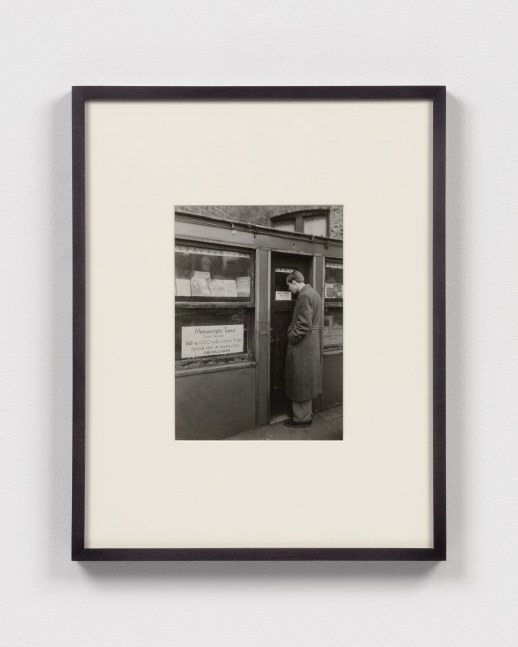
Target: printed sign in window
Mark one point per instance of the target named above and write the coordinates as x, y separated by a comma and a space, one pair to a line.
203, 341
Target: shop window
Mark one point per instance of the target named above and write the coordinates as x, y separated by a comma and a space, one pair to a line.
209, 274
333, 305
214, 306
334, 280
333, 328
205, 336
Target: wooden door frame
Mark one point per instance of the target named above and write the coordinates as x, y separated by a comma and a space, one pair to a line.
312, 258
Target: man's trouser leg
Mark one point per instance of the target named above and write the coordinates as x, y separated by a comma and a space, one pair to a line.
302, 411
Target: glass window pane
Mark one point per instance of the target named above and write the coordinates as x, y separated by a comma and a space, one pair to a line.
202, 334
316, 225
284, 225
333, 327
334, 279
203, 274
282, 291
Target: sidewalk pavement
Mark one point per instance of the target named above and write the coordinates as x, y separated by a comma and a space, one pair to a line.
327, 425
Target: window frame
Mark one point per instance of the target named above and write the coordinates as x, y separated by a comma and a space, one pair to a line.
299, 216
183, 303
333, 303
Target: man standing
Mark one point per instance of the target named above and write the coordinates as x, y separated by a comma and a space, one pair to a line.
303, 375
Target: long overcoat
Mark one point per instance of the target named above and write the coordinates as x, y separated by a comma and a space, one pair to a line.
303, 374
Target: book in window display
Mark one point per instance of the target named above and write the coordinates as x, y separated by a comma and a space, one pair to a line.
217, 288
183, 288
229, 288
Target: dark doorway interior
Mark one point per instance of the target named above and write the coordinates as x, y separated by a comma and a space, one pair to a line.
282, 304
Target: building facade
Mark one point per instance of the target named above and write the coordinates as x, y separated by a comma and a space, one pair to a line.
233, 309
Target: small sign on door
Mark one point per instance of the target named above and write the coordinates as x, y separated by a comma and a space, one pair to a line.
284, 295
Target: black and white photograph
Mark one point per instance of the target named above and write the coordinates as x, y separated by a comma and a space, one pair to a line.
259, 221
259, 299
258, 264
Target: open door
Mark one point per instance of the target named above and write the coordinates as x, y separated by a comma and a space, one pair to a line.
281, 311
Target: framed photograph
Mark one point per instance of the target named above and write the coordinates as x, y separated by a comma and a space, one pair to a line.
259, 264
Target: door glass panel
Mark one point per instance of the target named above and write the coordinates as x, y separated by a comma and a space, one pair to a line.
282, 291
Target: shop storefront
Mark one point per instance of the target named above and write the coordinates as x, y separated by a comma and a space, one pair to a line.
232, 311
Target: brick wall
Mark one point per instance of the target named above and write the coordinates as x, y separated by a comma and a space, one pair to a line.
262, 215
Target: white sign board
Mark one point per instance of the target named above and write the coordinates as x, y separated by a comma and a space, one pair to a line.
283, 295
202, 341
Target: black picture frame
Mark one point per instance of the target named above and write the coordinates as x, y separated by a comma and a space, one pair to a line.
80, 97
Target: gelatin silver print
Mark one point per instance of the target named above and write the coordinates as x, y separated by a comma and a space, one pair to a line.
259, 298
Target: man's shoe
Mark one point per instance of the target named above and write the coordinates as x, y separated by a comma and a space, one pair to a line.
293, 423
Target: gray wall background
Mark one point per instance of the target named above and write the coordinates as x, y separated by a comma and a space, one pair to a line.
469, 45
